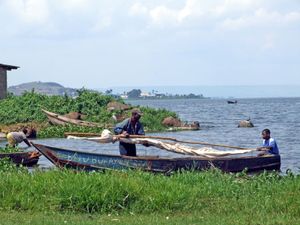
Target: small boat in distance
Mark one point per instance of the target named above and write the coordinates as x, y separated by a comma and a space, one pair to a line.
22, 158
232, 102
82, 160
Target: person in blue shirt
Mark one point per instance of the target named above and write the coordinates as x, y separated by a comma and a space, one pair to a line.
130, 126
269, 144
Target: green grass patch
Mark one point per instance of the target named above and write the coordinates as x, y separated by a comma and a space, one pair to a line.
212, 194
180, 218
58, 131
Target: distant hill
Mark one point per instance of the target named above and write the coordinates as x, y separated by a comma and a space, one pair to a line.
48, 88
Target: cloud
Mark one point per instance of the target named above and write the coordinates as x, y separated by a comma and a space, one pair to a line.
234, 6
228, 14
29, 11
162, 14
158, 38
73, 5
261, 18
68, 17
138, 9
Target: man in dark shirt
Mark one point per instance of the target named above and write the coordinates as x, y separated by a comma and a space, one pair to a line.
130, 126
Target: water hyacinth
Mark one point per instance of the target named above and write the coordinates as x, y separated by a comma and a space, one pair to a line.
26, 110
8, 149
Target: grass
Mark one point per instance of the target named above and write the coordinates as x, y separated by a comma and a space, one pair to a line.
191, 217
139, 192
136, 197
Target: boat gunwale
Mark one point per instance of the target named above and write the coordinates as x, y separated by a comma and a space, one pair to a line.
195, 158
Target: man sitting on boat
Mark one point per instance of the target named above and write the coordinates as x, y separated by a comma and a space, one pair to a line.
15, 138
130, 126
269, 144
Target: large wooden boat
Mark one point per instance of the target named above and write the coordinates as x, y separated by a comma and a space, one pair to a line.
57, 119
22, 158
95, 161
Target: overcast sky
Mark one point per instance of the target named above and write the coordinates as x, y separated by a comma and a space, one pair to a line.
104, 43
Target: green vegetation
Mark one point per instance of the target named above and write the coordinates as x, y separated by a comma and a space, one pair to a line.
58, 131
213, 195
27, 109
152, 118
9, 150
6, 166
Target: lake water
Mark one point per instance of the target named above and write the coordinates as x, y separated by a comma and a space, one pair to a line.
219, 122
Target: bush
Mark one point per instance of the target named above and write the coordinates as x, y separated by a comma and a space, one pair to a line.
27, 109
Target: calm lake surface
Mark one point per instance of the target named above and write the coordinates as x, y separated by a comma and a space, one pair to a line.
219, 122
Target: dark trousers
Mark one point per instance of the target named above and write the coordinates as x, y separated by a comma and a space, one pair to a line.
127, 149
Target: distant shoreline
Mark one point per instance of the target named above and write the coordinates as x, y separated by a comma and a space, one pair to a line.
170, 98
240, 91
170, 92
211, 98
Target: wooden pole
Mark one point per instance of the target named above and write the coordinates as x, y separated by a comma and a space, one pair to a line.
82, 134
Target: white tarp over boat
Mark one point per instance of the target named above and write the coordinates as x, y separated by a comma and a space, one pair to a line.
107, 137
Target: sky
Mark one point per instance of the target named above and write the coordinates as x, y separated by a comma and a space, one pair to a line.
102, 44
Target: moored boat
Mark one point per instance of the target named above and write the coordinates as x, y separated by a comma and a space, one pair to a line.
57, 119
30, 158
96, 161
